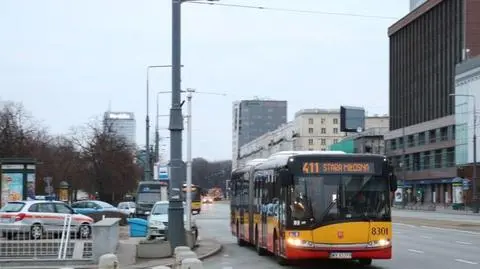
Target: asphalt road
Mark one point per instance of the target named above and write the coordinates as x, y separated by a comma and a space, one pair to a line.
413, 246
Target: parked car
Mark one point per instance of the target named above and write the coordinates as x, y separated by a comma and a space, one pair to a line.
98, 210
91, 206
127, 208
37, 218
158, 221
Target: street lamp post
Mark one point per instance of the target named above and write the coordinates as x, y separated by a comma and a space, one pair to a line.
188, 199
175, 205
474, 176
147, 168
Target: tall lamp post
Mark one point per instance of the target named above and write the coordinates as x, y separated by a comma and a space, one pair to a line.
474, 176
175, 205
148, 169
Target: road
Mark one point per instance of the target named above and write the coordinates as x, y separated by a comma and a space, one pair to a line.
413, 246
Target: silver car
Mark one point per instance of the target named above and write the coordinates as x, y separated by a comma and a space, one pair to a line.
38, 218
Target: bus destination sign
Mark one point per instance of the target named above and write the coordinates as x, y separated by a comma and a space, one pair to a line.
338, 168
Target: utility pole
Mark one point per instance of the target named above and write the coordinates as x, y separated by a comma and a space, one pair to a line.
404, 166
189, 159
175, 205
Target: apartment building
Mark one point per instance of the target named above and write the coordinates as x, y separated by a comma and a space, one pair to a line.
312, 129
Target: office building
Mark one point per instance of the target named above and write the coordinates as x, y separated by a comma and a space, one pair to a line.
467, 89
253, 118
122, 124
312, 129
425, 46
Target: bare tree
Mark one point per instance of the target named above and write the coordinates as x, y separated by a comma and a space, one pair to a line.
109, 163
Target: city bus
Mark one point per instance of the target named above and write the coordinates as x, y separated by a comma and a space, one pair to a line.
315, 205
196, 197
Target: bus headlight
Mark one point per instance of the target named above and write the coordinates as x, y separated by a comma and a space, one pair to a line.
299, 243
379, 243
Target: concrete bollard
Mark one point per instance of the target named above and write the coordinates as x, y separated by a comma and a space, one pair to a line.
192, 263
108, 261
182, 256
180, 249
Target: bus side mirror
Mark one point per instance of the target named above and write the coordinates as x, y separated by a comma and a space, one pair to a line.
393, 182
286, 179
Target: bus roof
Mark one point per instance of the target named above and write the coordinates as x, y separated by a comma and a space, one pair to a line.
249, 165
280, 159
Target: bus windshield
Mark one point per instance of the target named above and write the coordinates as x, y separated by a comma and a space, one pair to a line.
333, 198
195, 194
148, 193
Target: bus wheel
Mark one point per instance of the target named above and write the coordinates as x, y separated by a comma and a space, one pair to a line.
365, 262
276, 252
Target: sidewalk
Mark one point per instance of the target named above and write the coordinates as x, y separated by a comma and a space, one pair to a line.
127, 251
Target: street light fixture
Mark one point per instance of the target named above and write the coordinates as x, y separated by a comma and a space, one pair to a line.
474, 174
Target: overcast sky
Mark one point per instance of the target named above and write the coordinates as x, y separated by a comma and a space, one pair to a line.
66, 60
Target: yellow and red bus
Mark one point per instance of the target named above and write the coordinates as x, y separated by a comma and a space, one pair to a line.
315, 205
196, 197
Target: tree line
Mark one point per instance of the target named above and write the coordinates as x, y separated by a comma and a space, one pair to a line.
208, 174
92, 158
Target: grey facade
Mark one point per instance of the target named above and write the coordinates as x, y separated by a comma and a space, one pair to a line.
253, 118
370, 141
122, 124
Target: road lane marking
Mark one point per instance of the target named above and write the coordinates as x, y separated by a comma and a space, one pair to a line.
463, 242
465, 261
403, 224
451, 230
426, 237
415, 251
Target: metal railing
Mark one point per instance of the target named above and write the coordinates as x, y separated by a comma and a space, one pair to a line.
44, 242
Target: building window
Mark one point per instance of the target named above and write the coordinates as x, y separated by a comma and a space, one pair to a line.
433, 136
310, 121
444, 134
310, 141
324, 131
421, 138
450, 157
310, 149
335, 130
323, 141
322, 121
310, 130
335, 121
426, 160
323, 149
335, 141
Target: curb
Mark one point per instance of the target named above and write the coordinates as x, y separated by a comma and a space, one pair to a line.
213, 252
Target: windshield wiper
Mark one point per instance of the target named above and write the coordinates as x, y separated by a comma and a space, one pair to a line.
328, 209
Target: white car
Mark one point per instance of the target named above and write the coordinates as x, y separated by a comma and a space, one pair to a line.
127, 208
158, 221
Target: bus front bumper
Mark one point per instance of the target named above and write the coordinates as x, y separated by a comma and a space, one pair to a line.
338, 253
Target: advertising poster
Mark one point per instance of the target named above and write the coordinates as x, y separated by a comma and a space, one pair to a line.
31, 186
12, 187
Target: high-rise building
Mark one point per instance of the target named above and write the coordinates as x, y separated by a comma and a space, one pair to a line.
253, 118
122, 124
425, 46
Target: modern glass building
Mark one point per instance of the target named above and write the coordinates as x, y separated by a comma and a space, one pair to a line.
467, 92
121, 123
